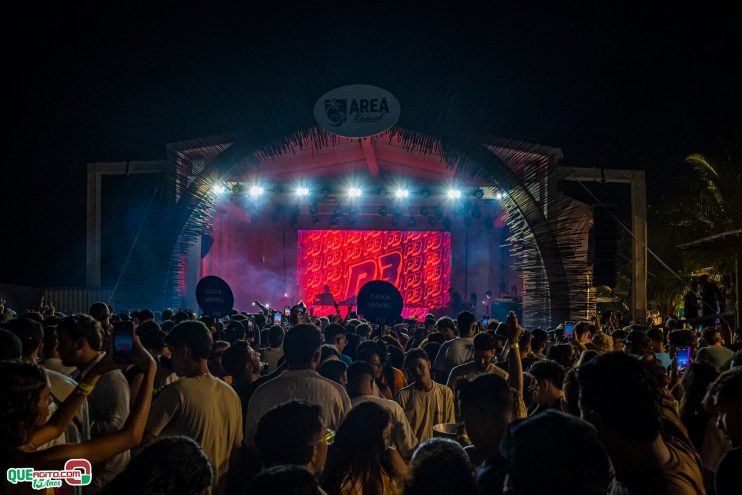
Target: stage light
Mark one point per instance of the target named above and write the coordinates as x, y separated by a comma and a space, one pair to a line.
453, 194
285, 294
499, 196
218, 189
256, 191
401, 193
478, 193
302, 191
354, 192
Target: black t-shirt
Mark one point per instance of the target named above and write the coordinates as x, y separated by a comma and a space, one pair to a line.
491, 474
726, 478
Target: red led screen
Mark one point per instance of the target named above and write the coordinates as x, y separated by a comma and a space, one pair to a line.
417, 263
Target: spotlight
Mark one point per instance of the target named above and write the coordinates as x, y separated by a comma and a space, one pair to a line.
285, 294
256, 191
425, 193
478, 193
401, 193
218, 189
453, 194
354, 192
382, 211
302, 191
499, 196
236, 188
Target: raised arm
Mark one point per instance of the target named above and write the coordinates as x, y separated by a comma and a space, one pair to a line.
105, 446
515, 366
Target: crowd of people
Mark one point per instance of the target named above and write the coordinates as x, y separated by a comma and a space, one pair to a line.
338, 405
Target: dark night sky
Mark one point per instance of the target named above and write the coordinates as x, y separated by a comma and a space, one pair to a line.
614, 87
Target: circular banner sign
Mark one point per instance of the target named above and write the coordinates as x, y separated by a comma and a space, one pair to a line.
214, 296
357, 110
380, 303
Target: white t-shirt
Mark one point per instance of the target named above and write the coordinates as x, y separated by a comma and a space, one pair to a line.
426, 409
205, 409
305, 385
404, 438
453, 353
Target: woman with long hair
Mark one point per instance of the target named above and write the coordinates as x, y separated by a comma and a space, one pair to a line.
24, 409
360, 461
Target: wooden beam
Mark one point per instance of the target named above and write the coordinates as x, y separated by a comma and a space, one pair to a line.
370, 154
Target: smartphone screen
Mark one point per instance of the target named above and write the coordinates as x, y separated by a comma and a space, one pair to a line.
485, 320
683, 358
123, 340
277, 318
287, 311
569, 329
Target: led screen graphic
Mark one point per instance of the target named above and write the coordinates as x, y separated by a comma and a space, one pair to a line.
417, 263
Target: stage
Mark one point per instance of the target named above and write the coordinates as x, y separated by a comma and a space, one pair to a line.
283, 233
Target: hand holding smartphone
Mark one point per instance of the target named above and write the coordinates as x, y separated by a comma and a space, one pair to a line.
569, 329
123, 341
683, 354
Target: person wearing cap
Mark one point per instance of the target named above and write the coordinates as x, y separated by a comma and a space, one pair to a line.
619, 337
715, 353
556, 443
637, 343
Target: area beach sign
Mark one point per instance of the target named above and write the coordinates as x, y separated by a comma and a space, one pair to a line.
357, 110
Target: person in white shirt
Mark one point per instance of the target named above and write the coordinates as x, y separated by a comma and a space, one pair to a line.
456, 351
301, 348
361, 389
80, 343
425, 402
199, 405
